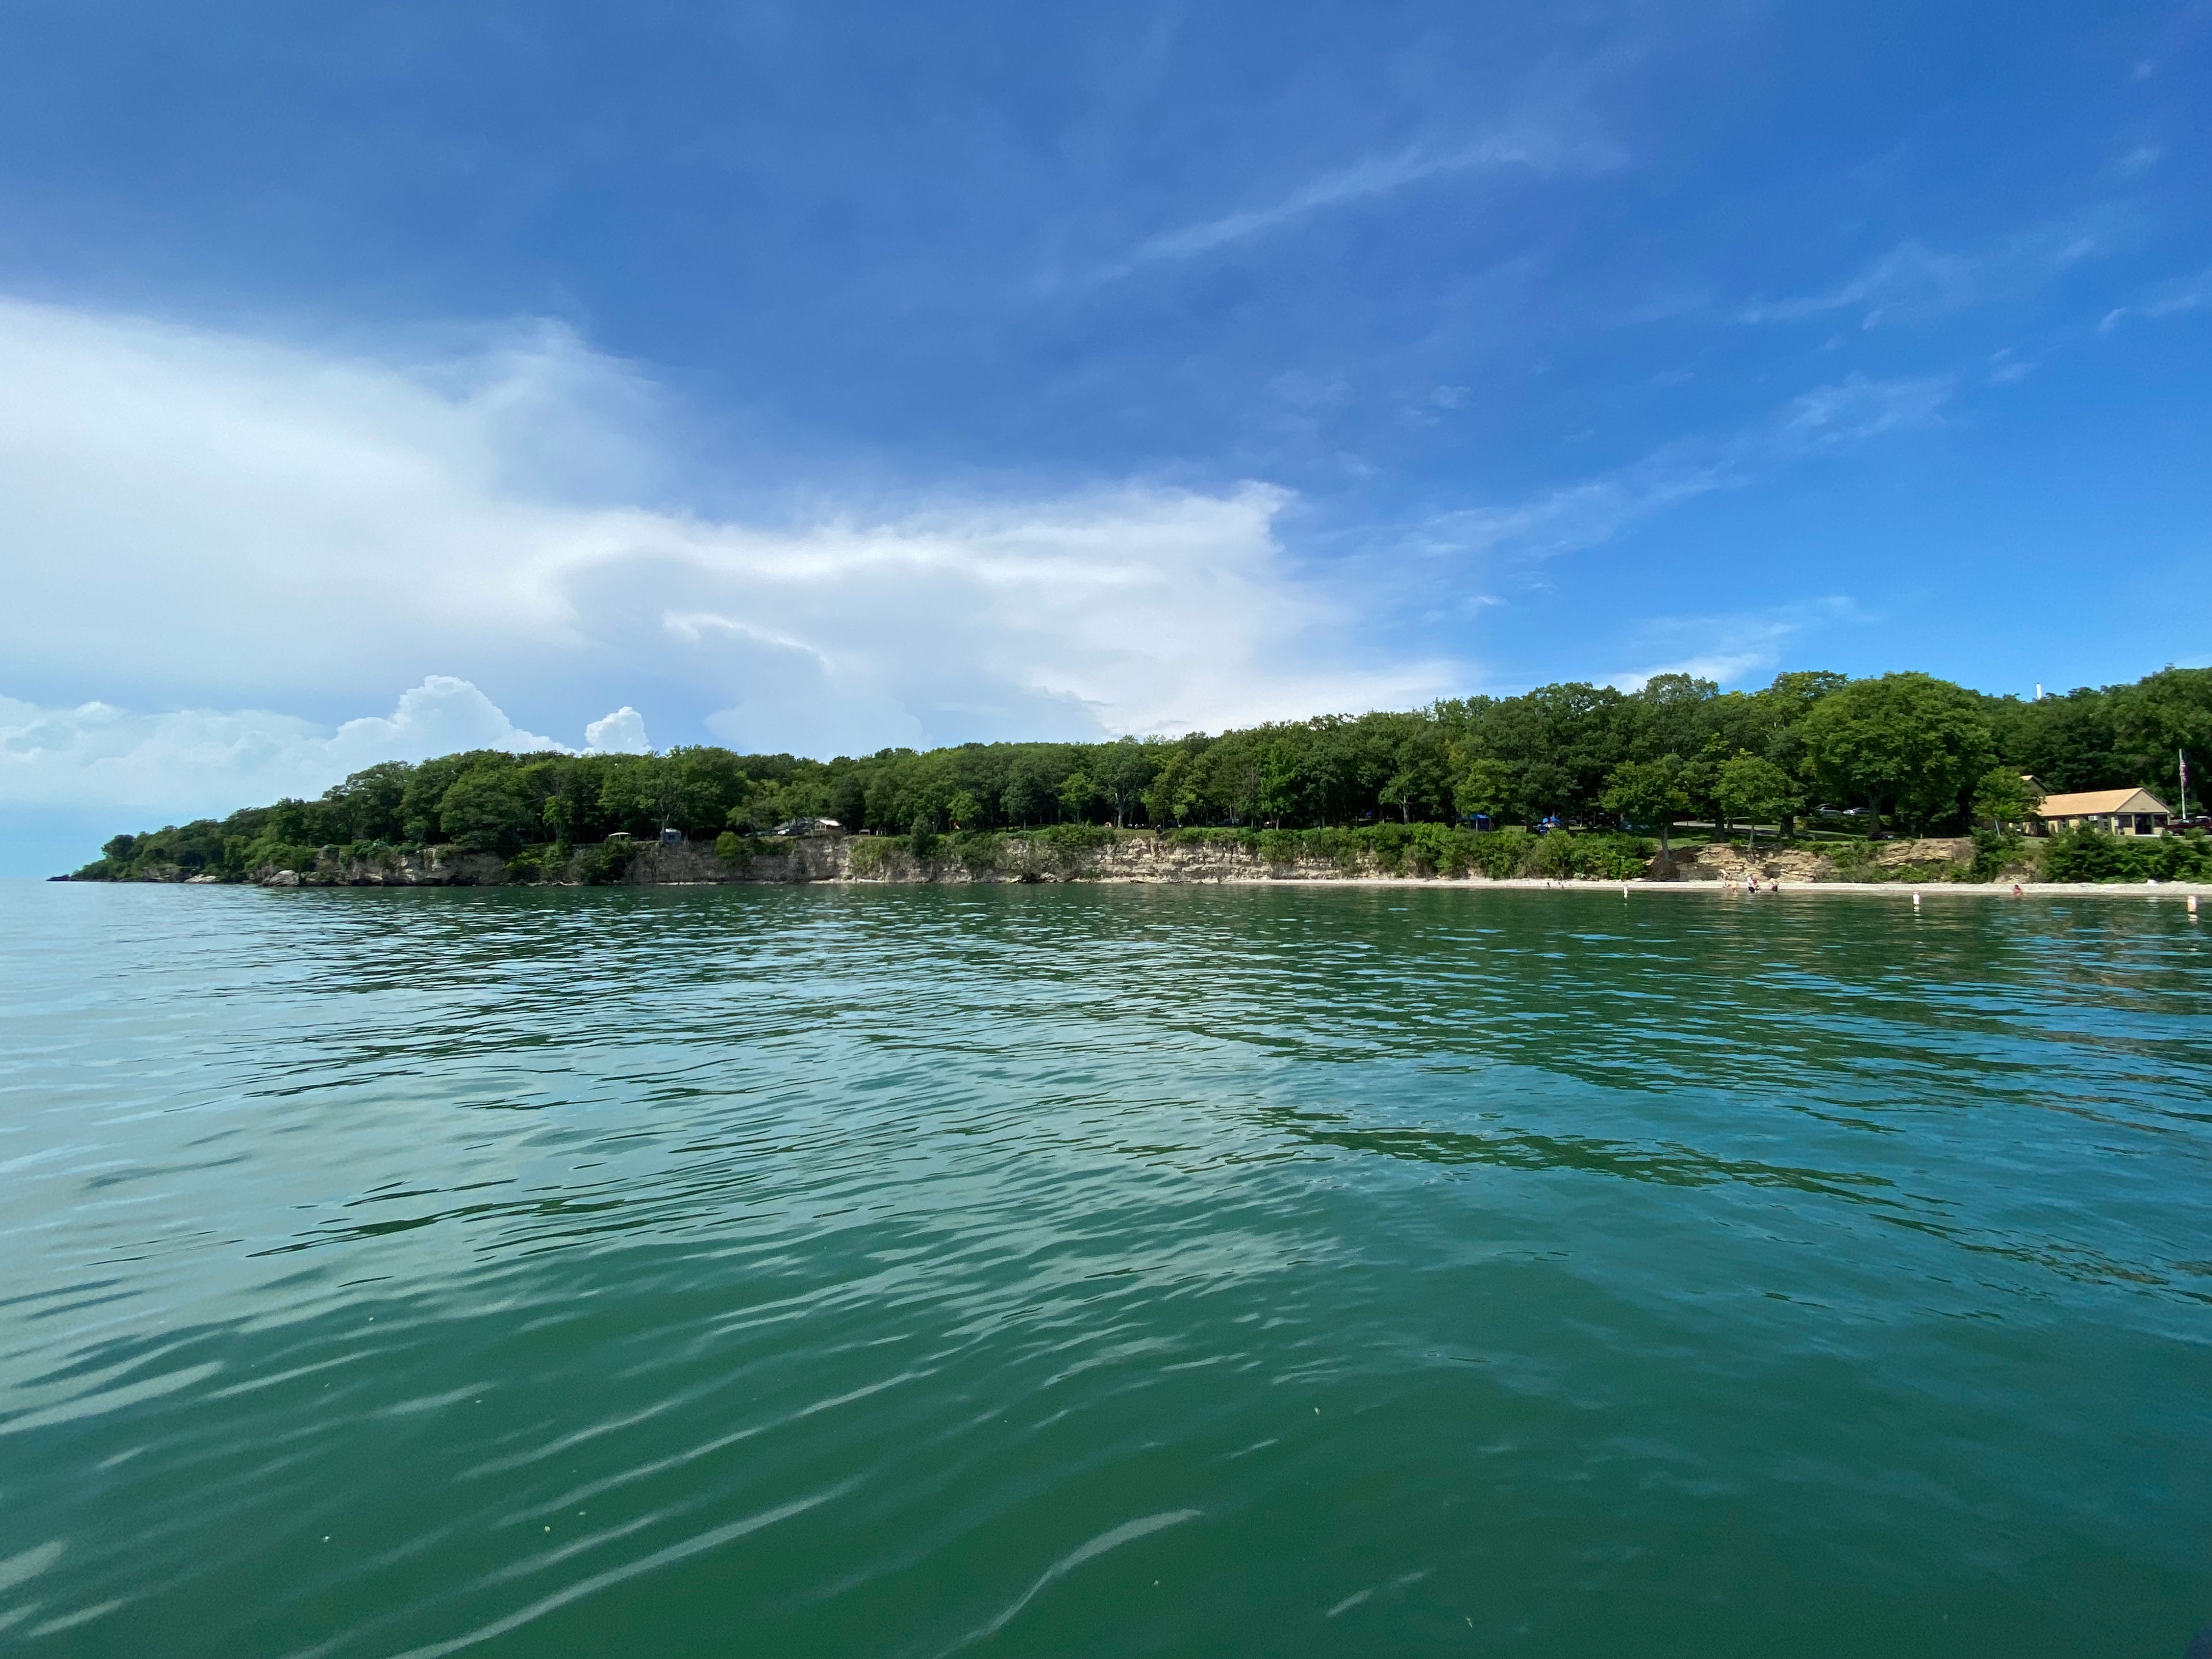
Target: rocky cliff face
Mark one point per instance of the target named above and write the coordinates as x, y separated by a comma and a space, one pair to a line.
432, 867
1932, 860
1139, 858
817, 859
877, 859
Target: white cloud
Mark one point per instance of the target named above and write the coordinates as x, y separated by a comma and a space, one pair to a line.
1913, 283
1366, 180
1531, 145
1728, 648
441, 716
1722, 670
621, 732
2169, 299
216, 523
194, 761
1594, 510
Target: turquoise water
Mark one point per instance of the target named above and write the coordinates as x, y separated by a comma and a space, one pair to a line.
1102, 1270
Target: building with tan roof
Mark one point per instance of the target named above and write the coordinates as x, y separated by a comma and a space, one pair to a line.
2117, 812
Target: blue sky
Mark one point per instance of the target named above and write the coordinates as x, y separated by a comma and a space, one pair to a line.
385, 378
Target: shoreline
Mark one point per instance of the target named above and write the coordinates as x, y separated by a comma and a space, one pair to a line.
1904, 889
1902, 869
1901, 891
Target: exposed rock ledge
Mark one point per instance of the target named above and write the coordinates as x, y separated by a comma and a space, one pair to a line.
1126, 858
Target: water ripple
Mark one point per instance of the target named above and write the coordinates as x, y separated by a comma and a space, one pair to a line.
393, 1273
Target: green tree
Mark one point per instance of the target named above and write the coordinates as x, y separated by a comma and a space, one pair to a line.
2002, 796
964, 810
2157, 720
1491, 789
1078, 797
1701, 783
1751, 790
1910, 742
1281, 780
489, 809
373, 802
1172, 795
1674, 712
848, 800
559, 812
1032, 794
1648, 793
677, 790
1420, 772
1123, 771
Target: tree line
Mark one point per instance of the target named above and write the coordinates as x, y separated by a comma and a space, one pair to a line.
1904, 749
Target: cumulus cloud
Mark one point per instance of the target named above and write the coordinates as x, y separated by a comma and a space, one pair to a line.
212, 523
621, 732
195, 762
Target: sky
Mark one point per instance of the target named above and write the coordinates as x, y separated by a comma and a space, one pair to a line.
379, 381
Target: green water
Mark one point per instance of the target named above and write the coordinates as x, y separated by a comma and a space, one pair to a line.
1102, 1270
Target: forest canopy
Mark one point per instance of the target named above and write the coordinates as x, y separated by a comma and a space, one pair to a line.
1907, 749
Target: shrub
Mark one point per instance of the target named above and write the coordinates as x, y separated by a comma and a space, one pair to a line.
865, 855
280, 855
1345, 848
1853, 861
978, 850
1995, 851
731, 848
1613, 858
1551, 857
1438, 849
1086, 837
2087, 855
1501, 853
607, 862
1195, 836
547, 862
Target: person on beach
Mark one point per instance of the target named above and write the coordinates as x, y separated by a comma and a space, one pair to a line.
2016, 893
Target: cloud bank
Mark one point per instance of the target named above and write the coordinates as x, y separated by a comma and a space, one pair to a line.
198, 762
225, 527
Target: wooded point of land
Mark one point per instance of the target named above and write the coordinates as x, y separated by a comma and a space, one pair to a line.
1903, 749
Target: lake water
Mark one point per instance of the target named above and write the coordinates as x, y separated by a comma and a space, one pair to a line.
1102, 1271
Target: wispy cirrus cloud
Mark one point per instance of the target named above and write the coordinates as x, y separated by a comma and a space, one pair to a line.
2168, 299
1914, 282
1729, 646
1594, 510
1531, 148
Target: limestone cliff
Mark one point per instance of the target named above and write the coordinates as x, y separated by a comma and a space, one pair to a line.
1119, 858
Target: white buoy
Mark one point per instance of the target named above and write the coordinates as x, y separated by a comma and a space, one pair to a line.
2193, 904
1915, 900
1624, 893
